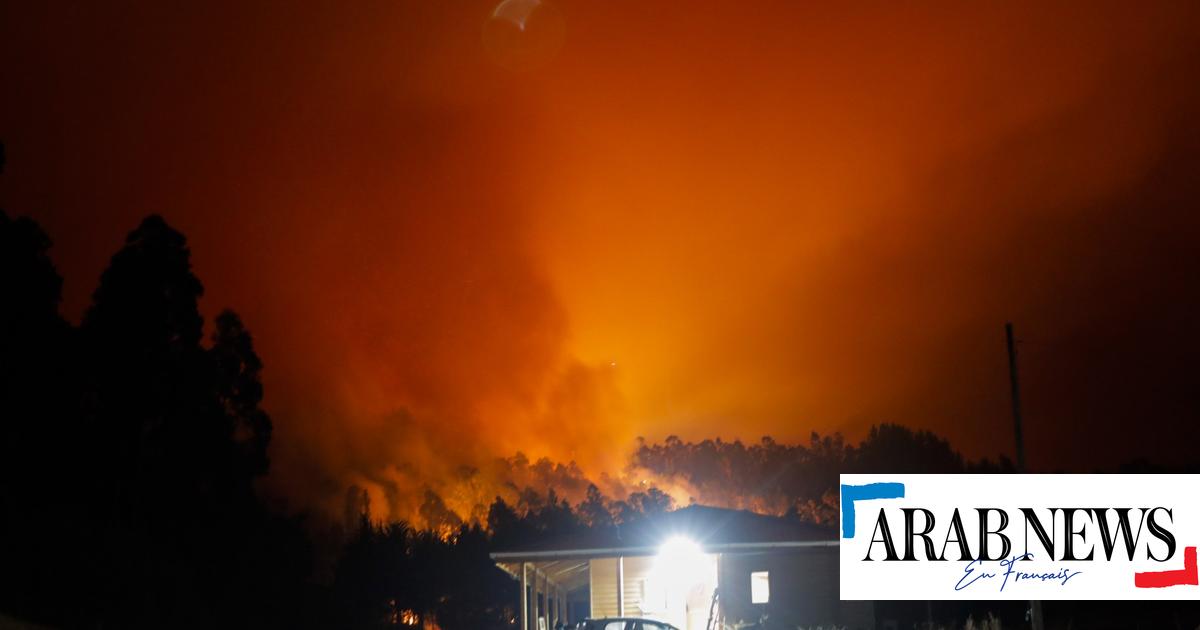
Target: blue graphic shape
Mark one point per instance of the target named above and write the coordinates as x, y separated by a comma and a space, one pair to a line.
850, 494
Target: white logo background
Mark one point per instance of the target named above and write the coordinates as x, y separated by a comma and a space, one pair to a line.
1098, 578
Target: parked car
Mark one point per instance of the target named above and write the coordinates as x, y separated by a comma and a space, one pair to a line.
623, 623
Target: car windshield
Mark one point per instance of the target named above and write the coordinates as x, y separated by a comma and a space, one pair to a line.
625, 624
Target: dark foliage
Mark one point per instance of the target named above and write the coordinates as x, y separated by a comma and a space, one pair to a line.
390, 573
39, 417
130, 450
798, 478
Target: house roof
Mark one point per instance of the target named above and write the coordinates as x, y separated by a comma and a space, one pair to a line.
564, 560
714, 529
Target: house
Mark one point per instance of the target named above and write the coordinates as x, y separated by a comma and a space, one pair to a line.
687, 568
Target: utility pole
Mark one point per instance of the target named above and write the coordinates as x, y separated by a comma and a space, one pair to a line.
1035, 606
1016, 396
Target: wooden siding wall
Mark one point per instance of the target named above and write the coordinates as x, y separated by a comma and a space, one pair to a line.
602, 573
602, 578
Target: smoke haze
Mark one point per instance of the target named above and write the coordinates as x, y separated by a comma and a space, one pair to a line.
700, 219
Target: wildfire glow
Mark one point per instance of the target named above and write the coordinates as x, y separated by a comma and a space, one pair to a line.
445, 222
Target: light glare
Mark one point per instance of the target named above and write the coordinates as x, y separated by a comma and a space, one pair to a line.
681, 563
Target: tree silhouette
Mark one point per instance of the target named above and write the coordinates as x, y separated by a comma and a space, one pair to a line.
147, 297
506, 525
31, 285
594, 511
643, 503
178, 437
143, 333
891, 448
39, 402
38, 458
240, 391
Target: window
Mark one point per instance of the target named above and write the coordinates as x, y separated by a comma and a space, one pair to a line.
760, 587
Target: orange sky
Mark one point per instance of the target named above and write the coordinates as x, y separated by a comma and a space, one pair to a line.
697, 218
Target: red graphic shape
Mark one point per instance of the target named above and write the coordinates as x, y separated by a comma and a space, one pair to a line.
1163, 579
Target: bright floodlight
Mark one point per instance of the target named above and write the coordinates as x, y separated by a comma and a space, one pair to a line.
681, 563
679, 548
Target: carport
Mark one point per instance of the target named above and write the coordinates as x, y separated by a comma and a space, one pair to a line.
670, 568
